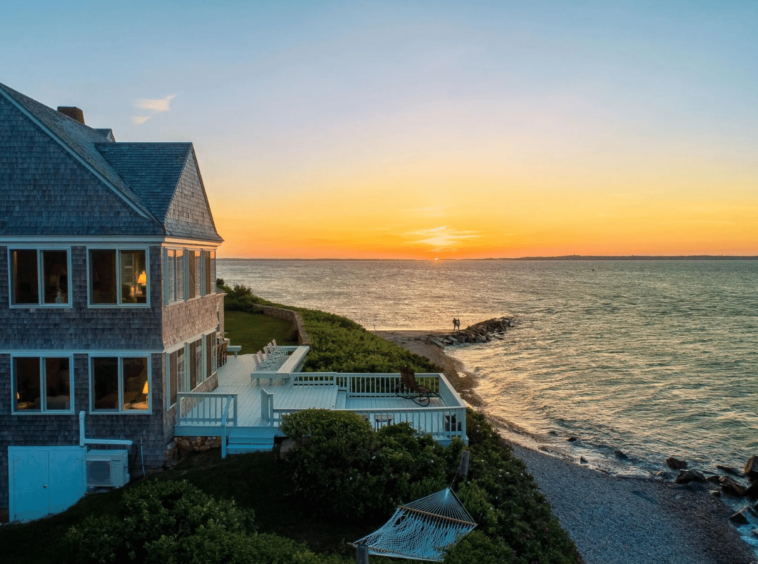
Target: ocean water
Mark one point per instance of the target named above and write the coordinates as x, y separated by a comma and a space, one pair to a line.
653, 358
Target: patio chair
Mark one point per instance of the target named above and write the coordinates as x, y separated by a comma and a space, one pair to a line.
412, 390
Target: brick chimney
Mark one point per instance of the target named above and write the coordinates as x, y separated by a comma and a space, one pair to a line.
73, 112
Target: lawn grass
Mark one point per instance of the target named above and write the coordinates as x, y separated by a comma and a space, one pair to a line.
254, 331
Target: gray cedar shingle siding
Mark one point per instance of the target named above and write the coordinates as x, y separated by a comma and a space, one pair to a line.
79, 139
184, 320
82, 327
59, 177
189, 214
63, 430
44, 191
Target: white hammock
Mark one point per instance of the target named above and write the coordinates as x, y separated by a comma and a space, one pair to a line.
423, 529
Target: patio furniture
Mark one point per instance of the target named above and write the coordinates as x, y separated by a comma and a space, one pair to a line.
412, 390
234, 349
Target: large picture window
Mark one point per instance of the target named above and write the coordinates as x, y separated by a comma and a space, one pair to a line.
118, 277
120, 384
42, 385
39, 277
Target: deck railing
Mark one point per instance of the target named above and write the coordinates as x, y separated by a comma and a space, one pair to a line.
441, 422
368, 385
196, 408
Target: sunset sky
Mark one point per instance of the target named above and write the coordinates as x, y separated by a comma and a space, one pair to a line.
426, 129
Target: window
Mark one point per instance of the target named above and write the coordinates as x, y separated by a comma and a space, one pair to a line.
174, 276
118, 277
194, 279
190, 366
210, 363
42, 385
197, 367
120, 384
210, 272
39, 277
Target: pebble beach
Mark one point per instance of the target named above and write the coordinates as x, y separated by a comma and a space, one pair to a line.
612, 518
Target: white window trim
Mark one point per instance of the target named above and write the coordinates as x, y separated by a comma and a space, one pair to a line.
43, 391
118, 303
40, 275
120, 410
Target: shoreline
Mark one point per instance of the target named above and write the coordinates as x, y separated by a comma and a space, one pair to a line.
613, 519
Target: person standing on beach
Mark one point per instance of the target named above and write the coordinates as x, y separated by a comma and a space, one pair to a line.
455, 323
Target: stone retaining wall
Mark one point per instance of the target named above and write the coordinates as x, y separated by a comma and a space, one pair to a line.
303, 339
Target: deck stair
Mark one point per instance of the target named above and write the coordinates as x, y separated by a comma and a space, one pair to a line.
242, 440
341, 401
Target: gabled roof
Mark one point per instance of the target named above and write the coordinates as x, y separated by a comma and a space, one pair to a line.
151, 170
146, 177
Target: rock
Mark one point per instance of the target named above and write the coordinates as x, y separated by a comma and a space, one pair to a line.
729, 470
754, 532
620, 455
687, 476
715, 493
582, 460
752, 491
730, 487
751, 468
572, 439
714, 479
740, 518
663, 475
675, 463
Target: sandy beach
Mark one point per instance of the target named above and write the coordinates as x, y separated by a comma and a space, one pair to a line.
613, 519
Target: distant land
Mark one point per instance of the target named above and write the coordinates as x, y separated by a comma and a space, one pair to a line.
564, 257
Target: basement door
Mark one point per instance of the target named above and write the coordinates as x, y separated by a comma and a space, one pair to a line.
45, 480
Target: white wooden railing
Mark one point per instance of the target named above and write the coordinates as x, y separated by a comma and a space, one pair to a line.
197, 408
441, 422
370, 385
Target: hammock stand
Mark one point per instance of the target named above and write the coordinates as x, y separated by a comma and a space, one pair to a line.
422, 529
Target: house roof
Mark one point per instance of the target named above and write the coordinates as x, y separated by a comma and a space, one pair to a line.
144, 176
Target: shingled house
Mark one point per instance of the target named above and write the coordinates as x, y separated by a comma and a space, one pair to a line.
108, 301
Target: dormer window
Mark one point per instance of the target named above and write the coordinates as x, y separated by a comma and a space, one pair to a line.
39, 277
118, 277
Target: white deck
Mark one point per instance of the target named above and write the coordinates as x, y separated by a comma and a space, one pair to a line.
371, 395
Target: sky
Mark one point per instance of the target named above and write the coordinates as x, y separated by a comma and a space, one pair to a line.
424, 130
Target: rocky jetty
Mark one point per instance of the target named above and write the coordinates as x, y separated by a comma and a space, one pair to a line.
482, 332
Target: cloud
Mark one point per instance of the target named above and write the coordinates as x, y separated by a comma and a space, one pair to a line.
159, 105
440, 238
156, 106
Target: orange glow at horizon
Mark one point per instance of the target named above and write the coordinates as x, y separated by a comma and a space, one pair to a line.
452, 213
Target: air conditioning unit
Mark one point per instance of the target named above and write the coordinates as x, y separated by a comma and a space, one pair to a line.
107, 468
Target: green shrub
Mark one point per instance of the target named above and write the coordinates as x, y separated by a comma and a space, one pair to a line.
347, 471
212, 545
506, 503
478, 548
155, 516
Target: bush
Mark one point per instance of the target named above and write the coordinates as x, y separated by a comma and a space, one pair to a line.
478, 548
346, 470
506, 503
155, 516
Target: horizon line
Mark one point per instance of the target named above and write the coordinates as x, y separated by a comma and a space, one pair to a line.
557, 257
